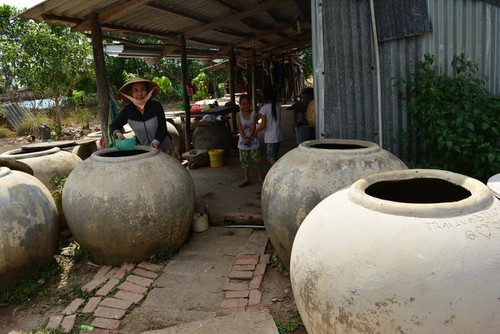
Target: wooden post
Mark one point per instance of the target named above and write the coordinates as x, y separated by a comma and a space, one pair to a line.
232, 69
254, 74
101, 81
185, 81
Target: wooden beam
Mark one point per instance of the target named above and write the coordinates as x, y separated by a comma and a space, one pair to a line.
101, 80
111, 14
39, 9
235, 17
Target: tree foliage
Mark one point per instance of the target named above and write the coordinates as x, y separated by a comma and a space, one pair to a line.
48, 59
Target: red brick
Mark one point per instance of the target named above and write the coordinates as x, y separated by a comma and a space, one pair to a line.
97, 281
67, 323
116, 303
142, 281
120, 273
145, 273
131, 287
134, 297
110, 313
107, 287
112, 272
71, 308
241, 274
234, 302
246, 261
150, 266
235, 286
254, 297
260, 269
248, 267
255, 282
247, 256
54, 321
106, 323
102, 272
91, 305
237, 294
265, 258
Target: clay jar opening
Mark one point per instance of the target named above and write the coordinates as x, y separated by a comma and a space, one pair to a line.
422, 190
336, 146
119, 154
421, 193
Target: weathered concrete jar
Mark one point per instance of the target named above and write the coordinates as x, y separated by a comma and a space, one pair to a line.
412, 251
217, 135
46, 163
309, 173
28, 227
124, 206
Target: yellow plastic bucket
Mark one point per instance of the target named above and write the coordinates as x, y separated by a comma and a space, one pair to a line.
215, 156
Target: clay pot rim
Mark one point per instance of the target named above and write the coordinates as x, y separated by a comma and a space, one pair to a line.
481, 197
148, 152
18, 153
367, 147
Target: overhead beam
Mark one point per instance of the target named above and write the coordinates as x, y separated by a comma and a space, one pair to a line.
235, 17
111, 14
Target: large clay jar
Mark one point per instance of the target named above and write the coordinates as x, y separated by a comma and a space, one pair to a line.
28, 227
125, 206
217, 135
306, 175
412, 251
47, 163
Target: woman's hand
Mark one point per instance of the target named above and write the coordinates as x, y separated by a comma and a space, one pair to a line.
155, 146
119, 135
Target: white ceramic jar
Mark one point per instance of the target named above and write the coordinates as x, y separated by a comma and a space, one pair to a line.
125, 206
412, 251
28, 227
306, 175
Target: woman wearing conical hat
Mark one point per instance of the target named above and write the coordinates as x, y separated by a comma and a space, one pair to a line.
144, 115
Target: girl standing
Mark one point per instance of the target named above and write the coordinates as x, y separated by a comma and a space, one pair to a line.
248, 144
271, 122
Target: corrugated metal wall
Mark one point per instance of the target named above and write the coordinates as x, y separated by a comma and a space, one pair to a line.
468, 27
348, 68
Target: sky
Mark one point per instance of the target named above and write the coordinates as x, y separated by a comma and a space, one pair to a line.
21, 3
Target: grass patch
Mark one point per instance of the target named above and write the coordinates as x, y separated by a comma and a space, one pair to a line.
31, 125
6, 132
290, 326
294, 323
32, 287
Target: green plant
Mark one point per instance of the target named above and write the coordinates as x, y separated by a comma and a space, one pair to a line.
275, 262
163, 255
32, 287
5, 132
454, 120
32, 124
289, 326
58, 182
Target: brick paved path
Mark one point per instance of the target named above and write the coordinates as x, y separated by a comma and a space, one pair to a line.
218, 272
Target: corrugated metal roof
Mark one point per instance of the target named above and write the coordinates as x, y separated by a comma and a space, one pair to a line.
264, 26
